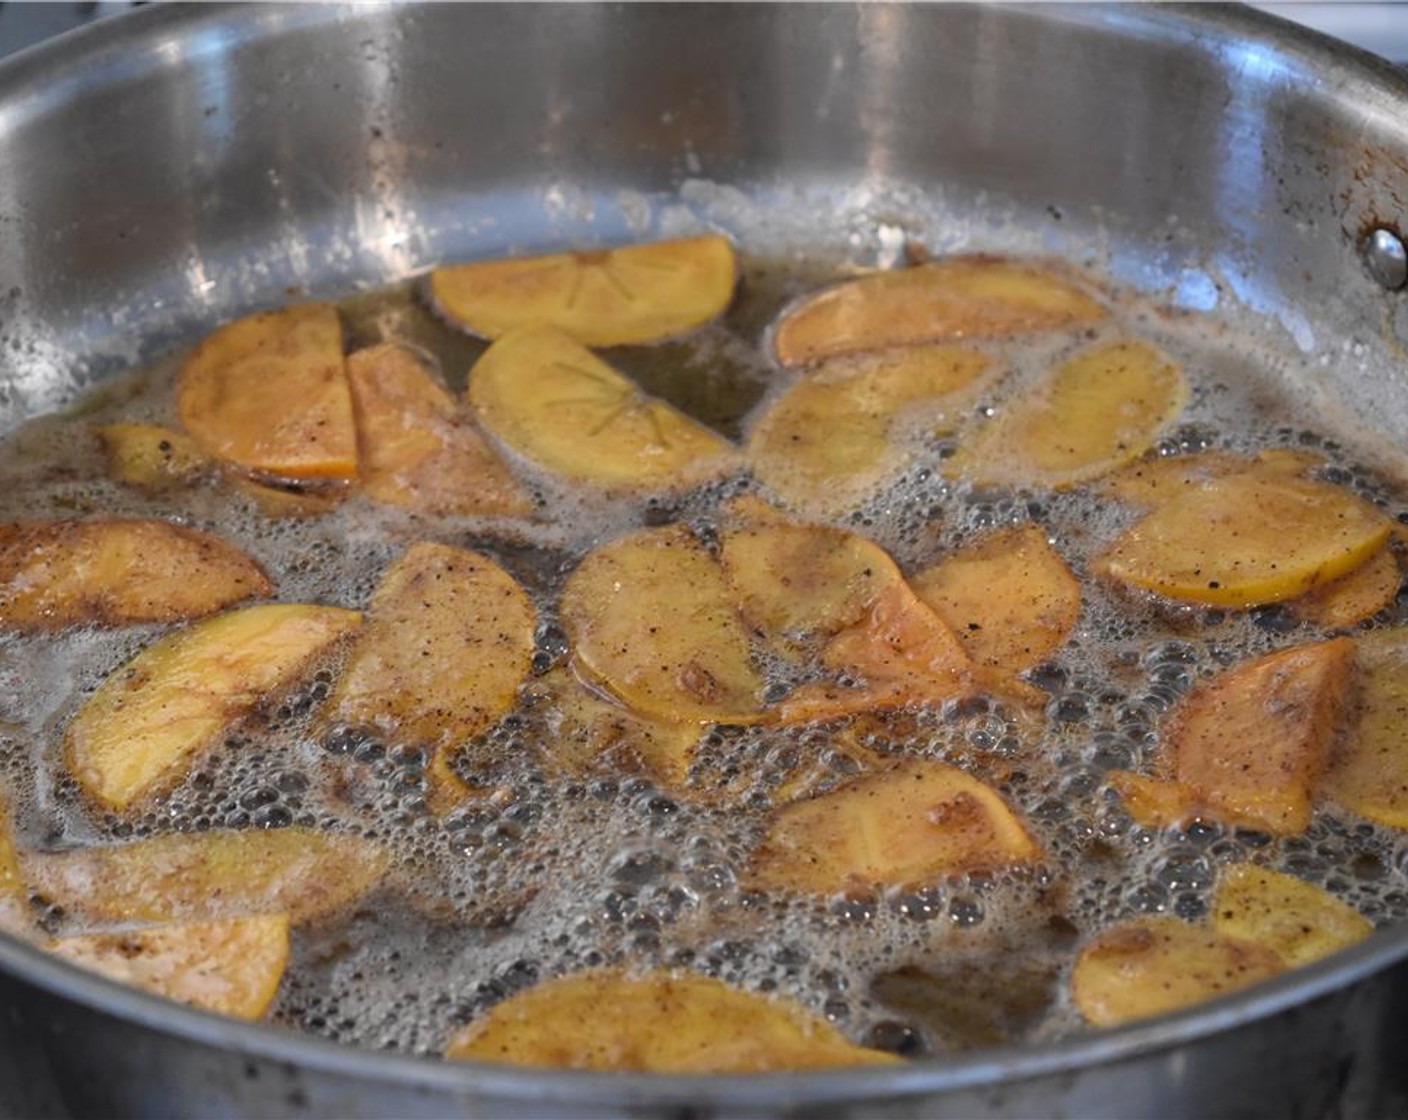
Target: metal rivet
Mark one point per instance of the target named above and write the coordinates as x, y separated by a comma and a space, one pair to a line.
1387, 259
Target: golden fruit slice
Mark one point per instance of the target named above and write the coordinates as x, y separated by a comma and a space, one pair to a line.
659, 1022
416, 450
1156, 965
1299, 922
148, 721
291, 501
1368, 771
448, 640
563, 409
1149, 482
14, 895
587, 734
151, 457
201, 875
966, 297
232, 966
917, 821
826, 444
652, 620
1155, 802
269, 394
899, 655
1352, 599
1009, 598
611, 297
1252, 742
1095, 413
118, 572
796, 581
1246, 540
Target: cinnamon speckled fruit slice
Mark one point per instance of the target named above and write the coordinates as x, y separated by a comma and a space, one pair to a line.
1246, 540
1093, 414
967, 297
845, 428
588, 734
607, 297
219, 874
554, 402
1156, 965
1009, 598
151, 457
1296, 920
1155, 479
1353, 598
448, 640
915, 822
232, 966
1252, 742
144, 726
417, 451
118, 572
269, 394
1368, 771
659, 1022
652, 620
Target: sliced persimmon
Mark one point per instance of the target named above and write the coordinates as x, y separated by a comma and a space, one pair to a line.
966, 297
900, 654
1152, 966
1252, 742
587, 733
914, 822
1155, 802
1352, 598
1296, 920
552, 401
1009, 598
117, 572
232, 966
658, 1022
218, 874
416, 450
826, 444
447, 642
605, 297
151, 719
152, 457
1156, 479
1094, 413
652, 620
269, 395
1246, 540
1368, 771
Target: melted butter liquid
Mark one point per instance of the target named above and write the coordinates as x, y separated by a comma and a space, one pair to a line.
569, 874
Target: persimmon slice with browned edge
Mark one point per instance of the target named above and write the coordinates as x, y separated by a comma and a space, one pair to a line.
231, 966
416, 449
652, 619
145, 725
269, 394
606, 297
447, 641
118, 572
964, 297
189, 876
1249, 746
914, 822
658, 1022
549, 399
1368, 770
1297, 920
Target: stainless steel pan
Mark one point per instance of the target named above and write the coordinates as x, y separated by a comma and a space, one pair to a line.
182, 165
